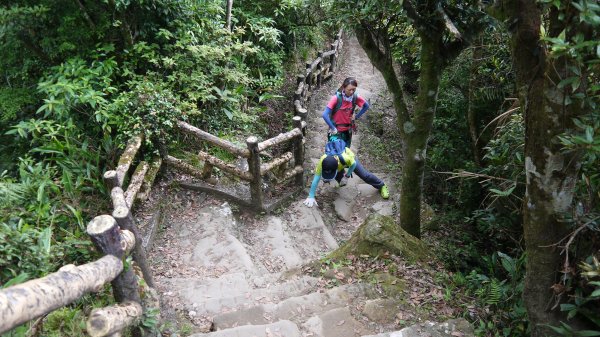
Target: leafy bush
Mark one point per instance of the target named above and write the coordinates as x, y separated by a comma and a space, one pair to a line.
498, 308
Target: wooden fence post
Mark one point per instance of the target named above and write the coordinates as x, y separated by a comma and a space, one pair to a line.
106, 236
254, 168
298, 149
320, 70
332, 59
308, 79
125, 219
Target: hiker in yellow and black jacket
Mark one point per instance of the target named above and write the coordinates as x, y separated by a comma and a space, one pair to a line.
333, 166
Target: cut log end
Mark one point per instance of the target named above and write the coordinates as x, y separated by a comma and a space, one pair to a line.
120, 212
101, 224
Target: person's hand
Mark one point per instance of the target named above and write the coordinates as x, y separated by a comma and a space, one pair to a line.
310, 202
333, 131
344, 181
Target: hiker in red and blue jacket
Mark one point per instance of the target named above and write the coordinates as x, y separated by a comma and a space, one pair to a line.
339, 166
339, 112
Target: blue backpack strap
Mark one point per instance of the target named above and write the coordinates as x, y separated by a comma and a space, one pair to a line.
336, 147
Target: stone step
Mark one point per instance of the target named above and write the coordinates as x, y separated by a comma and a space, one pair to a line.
334, 323
297, 309
278, 329
211, 241
229, 292
451, 328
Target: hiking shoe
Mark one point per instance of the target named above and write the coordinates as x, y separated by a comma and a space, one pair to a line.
384, 192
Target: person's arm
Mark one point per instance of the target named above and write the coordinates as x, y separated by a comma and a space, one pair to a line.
310, 201
351, 169
326, 117
364, 109
313, 186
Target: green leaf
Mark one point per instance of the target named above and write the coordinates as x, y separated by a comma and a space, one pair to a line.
587, 333
16, 280
45, 240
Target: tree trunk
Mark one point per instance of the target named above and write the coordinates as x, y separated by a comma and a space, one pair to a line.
471, 111
228, 14
551, 173
417, 134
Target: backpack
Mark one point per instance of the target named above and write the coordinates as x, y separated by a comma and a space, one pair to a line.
338, 105
336, 147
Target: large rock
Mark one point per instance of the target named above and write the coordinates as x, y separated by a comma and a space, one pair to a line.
380, 234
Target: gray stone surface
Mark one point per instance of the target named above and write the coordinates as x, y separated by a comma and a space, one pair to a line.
334, 323
381, 310
383, 207
452, 328
296, 309
277, 329
233, 291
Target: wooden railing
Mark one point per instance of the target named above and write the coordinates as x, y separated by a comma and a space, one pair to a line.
256, 168
117, 235
318, 71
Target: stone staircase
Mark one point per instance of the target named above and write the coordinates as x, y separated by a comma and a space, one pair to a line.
242, 275
236, 278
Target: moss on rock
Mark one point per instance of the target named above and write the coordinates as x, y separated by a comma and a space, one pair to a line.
380, 234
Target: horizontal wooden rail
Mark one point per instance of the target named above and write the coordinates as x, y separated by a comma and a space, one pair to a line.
137, 179
183, 166
229, 146
24, 302
293, 172
113, 319
266, 167
314, 64
329, 53
127, 158
214, 161
281, 138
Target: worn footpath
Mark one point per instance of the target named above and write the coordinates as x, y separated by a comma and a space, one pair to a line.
224, 272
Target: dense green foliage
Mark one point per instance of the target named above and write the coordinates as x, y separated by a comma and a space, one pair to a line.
79, 78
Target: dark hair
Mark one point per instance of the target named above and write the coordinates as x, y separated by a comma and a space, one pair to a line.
348, 81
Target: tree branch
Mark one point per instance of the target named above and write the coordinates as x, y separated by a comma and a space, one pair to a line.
420, 23
86, 16
448, 23
383, 62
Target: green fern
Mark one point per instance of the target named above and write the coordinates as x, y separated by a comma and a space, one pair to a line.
11, 192
494, 292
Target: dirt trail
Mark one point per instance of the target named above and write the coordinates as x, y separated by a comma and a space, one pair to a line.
220, 268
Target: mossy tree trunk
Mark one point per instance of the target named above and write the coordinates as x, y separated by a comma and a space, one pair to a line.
551, 171
437, 51
416, 134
